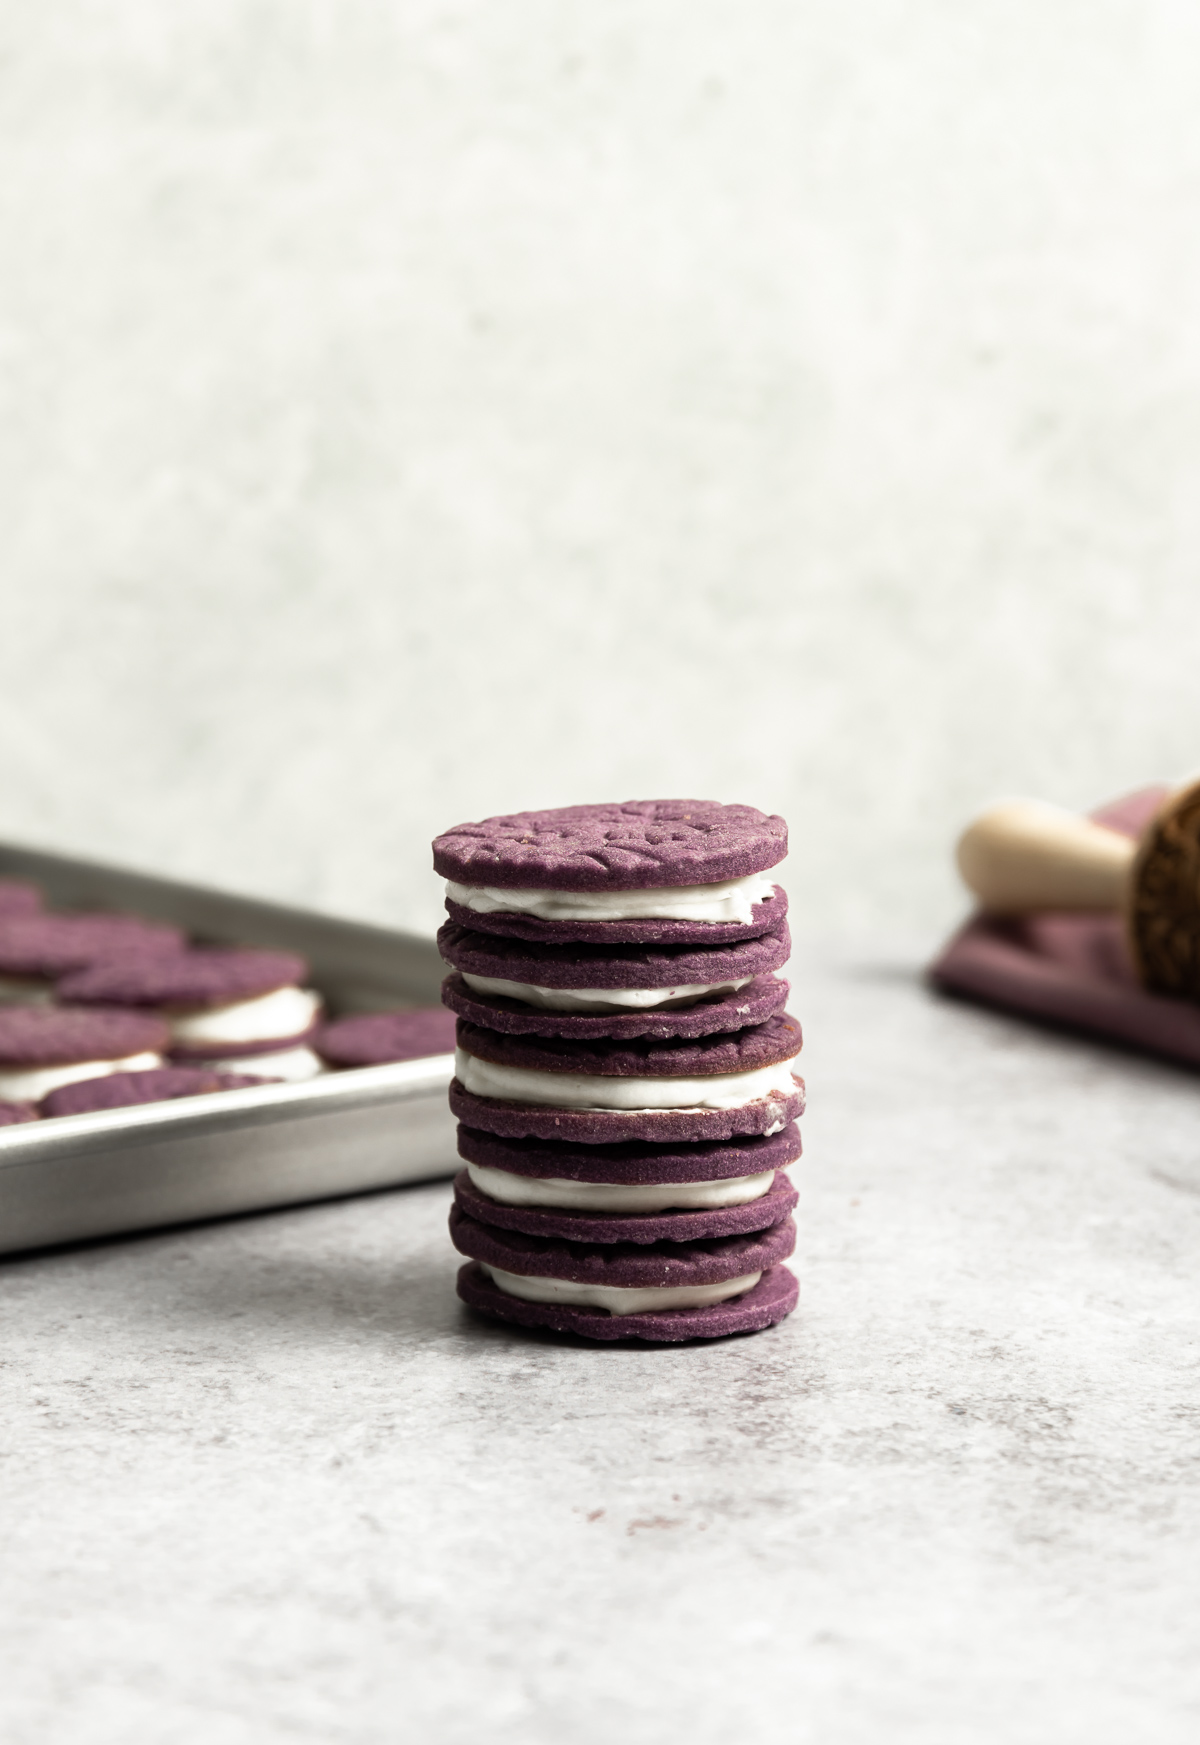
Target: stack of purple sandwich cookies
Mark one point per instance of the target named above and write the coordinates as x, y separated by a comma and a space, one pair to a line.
624, 1080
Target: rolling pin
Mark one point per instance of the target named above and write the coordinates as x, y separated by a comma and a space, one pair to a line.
1024, 855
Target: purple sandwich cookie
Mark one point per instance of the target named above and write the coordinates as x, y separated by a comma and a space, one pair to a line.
609, 968
549, 1222
222, 1005
633, 1164
622, 1278
741, 1051
509, 1119
378, 1038
622, 1266
125, 1090
770, 1300
187, 1053
19, 897
601, 1093
637, 845
43, 1047
197, 980
16, 1114
37, 949
765, 915
759, 1000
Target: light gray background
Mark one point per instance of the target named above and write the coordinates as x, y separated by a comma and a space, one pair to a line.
419, 410
416, 411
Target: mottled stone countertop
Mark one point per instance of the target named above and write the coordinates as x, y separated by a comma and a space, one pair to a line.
266, 1480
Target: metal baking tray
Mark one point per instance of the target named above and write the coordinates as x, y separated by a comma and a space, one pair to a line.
80, 1176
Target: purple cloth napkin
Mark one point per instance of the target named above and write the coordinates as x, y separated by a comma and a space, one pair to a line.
1070, 968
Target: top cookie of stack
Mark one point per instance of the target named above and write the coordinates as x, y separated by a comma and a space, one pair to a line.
624, 1058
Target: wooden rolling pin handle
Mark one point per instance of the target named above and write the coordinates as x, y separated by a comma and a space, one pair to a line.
1023, 855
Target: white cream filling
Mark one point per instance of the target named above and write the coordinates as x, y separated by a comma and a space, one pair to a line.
619, 1299
573, 1090
601, 999
26, 991
292, 1064
727, 900
536, 1190
283, 1012
30, 1084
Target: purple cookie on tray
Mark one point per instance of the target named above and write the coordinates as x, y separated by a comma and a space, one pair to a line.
767, 1302
632, 1164
35, 950
126, 1090
379, 1038
684, 1224
237, 1007
667, 871
16, 1114
19, 897
43, 1047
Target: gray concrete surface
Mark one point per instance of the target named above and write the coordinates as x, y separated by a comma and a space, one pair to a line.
265, 1480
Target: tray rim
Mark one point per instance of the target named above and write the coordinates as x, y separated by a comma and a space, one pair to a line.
214, 1112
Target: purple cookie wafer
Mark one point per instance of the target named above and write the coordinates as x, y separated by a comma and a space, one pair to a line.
645, 930
624, 1265
200, 978
55, 945
184, 1052
678, 1225
717, 1014
18, 897
68, 1035
665, 1127
592, 966
772, 1298
631, 846
761, 1045
376, 1038
124, 1090
633, 1164
15, 1114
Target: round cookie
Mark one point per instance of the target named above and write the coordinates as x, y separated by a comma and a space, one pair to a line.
376, 1038
16, 1114
772, 1298
740, 1051
591, 966
631, 1164
218, 976
765, 917
663, 1127
32, 1036
625, 1265
637, 845
55, 945
550, 1222
753, 1004
19, 897
124, 1090
210, 1054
